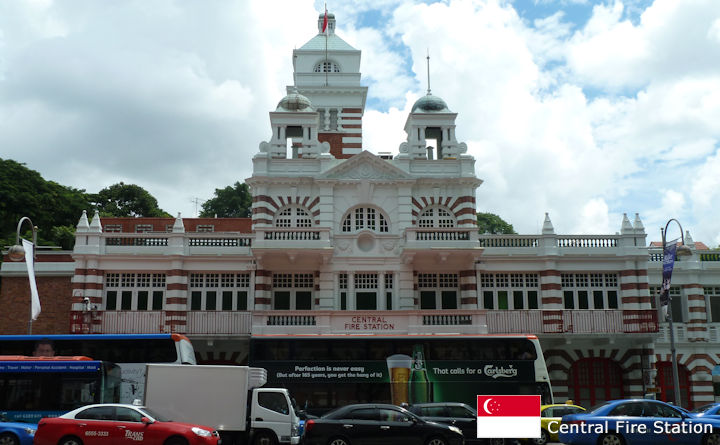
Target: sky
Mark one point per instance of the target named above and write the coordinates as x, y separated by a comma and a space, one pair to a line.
582, 109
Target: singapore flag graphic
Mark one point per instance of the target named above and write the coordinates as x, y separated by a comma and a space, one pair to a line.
508, 417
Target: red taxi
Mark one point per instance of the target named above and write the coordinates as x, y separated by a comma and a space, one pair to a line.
113, 423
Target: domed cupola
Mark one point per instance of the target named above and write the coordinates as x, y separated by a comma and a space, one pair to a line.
430, 129
430, 104
294, 102
294, 124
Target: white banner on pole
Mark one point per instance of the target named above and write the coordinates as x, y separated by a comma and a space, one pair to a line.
30, 261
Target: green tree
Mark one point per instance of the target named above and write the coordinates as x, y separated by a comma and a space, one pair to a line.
493, 224
50, 206
127, 200
231, 202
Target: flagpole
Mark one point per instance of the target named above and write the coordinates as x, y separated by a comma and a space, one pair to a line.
325, 25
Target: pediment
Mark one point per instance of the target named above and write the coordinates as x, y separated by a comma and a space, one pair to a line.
365, 166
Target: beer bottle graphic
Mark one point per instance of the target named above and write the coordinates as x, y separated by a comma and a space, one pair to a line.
420, 385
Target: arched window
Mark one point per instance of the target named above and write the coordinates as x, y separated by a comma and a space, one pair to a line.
364, 218
293, 217
436, 217
327, 67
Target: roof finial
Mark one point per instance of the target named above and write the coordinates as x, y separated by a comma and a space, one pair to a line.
428, 70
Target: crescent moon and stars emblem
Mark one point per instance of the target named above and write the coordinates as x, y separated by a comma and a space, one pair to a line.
491, 407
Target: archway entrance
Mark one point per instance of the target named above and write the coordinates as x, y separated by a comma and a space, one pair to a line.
595, 380
665, 383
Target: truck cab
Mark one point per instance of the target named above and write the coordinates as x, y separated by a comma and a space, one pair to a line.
272, 413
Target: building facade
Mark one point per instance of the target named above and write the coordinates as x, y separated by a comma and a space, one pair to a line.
339, 235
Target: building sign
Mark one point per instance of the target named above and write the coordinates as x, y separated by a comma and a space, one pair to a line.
369, 323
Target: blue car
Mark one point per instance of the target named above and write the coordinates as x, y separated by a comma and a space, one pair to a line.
16, 433
710, 411
637, 422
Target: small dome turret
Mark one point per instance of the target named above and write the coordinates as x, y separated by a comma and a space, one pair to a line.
294, 102
430, 104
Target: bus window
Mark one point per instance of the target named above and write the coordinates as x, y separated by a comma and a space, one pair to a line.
48, 388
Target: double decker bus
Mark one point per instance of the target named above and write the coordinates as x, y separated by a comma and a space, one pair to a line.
131, 352
327, 371
36, 387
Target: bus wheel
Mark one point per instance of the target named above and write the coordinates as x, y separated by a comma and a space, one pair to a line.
264, 438
9, 439
70, 440
611, 439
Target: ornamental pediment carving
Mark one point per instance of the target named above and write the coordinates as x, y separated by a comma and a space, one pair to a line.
366, 166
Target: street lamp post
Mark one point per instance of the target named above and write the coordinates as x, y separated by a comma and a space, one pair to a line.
17, 253
682, 250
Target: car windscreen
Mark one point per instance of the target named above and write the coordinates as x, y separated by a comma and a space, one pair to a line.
703, 408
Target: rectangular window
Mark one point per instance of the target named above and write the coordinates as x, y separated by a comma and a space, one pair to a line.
205, 228
488, 300
111, 301
242, 297
518, 300
583, 302
211, 301
343, 301
502, 299
569, 299
366, 300
303, 301
142, 304
449, 299
195, 301
143, 228
157, 302
598, 299
388, 301
427, 299
714, 308
112, 228
126, 301
282, 300
677, 309
532, 299
227, 300
612, 299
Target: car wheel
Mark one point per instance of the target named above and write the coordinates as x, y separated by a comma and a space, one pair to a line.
9, 439
712, 439
176, 441
544, 438
70, 440
436, 441
338, 441
611, 439
264, 438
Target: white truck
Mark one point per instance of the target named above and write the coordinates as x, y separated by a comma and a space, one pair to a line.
229, 398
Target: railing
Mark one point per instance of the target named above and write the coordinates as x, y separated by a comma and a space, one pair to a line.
443, 236
295, 235
571, 321
134, 241
587, 241
220, 242
438, 234
514, 241
712, 256
149, 322
680, 333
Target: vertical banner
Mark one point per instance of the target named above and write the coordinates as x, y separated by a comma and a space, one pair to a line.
30, 262
668, 263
